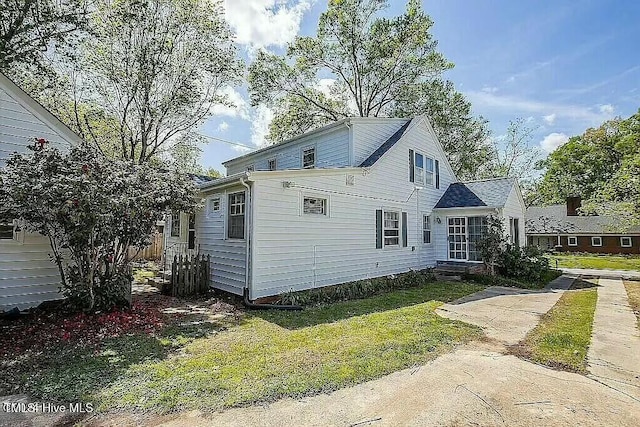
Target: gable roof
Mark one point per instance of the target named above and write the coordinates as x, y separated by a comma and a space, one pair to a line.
369, 161
553, 219
37, 109
489, 192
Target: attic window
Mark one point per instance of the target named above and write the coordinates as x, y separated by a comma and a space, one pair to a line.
314, 206
309, 158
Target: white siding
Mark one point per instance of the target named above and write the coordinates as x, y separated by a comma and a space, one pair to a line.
228, 257
295, 251
332, 151
27, 276
369, 134
514, 208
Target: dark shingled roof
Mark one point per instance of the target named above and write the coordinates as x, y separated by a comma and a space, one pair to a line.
459, 195
369, 161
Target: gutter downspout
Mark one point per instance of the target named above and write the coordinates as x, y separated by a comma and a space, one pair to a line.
246, 301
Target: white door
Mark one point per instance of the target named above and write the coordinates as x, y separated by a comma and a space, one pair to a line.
457, 227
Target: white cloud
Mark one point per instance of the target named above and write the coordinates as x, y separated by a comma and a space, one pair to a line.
550, 119
607, 109
520, 106
324, 86
553, 141
489, 89
261, 23
260, 125
240, 107
222, 127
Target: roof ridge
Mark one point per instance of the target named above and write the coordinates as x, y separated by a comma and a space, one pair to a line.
507, 178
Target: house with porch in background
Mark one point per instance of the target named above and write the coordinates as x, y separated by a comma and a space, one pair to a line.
561, 228
356, 199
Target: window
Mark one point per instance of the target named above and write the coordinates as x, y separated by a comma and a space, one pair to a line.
251, 168
214, 205
391, 228
514, 231
426, 229
192, 232
309, 158
429, 171
314, 206
236, 216
476, 228
596, 241
272, 164
423, 169
6, 231
626, 242
572, 240
175, 224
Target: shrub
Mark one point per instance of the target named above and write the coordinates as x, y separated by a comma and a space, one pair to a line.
358, 289
527, 263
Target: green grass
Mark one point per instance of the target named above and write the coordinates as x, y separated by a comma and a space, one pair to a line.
498, 280
598, 262
633, 292
265, 356
562, 338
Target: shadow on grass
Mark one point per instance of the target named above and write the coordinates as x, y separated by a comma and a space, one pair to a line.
437, 291
74, 372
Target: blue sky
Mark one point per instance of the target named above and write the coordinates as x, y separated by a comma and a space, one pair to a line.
562, 65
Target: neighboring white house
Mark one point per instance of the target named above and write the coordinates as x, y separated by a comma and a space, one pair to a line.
360, 198
27, 275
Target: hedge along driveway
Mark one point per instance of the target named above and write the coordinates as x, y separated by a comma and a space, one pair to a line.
270, 355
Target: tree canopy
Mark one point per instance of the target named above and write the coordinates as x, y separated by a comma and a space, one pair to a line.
361, 63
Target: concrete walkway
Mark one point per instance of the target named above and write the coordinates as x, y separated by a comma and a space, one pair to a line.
614, 353
607, 274
506, 314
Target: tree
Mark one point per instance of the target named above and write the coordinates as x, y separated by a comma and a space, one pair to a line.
157, 67
363, 64
29, 27
92, 209
602, 166
492, 243
514, 155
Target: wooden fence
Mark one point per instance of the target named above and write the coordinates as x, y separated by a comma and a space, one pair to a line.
153, 252
189, 275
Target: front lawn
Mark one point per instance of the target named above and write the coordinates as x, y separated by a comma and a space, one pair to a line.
257, 356
633, 292
598, 262
562, 338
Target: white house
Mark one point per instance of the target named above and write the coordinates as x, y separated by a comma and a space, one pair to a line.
360, 198
27, 275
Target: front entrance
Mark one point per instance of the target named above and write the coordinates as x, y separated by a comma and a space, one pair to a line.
457, 238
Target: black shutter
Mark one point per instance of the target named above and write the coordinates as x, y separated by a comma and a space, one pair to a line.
404, 229
411, 171
437, 174
379, 229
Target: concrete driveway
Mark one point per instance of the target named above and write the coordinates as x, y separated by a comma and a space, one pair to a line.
476, 385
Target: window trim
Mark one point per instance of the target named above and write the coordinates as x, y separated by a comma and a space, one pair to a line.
244, 216
622, 245
275, 163
569, 240
315, 156
384, 229
424, 170
429, 229
593, 241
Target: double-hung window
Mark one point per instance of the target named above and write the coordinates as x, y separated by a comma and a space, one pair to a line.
423, 170
309, 158
428, 175
175, 224
419, 168
235, 228
391, 228
426, 229
272, 164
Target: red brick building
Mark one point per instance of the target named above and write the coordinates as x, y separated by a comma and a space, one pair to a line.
560, 227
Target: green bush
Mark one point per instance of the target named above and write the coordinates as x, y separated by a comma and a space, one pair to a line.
358, 289
527, 263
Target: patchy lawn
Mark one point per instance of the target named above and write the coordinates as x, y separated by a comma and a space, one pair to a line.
633, 292
236, 359
498, 280
598, 262
562, 338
